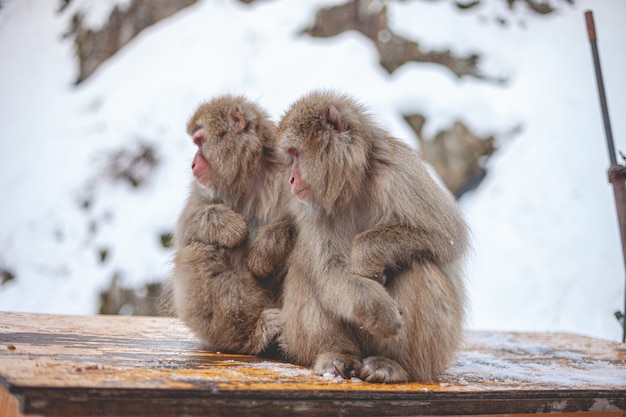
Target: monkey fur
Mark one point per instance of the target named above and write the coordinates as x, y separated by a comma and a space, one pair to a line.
375, 287
239, 188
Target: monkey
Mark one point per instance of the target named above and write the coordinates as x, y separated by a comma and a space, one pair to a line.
375, 286
220, 289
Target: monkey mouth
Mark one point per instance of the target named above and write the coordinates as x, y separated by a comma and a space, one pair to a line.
201, 177
200, 173
200, 168
302, 193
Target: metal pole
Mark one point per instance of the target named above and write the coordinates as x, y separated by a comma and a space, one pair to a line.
617, 173
591, 32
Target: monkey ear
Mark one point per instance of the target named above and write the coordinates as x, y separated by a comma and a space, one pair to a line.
334, 121
236, 121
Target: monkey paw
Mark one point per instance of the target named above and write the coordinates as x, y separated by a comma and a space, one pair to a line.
380, 316
337, 364
272, 322
258, 264
268, 328
271, 248
218, 224
380, 369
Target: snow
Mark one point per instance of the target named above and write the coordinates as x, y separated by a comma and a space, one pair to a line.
546, 255
510, 360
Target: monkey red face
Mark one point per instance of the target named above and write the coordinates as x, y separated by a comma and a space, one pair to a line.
298, 187
199, 165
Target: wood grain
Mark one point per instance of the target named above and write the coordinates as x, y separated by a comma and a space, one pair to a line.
132, 366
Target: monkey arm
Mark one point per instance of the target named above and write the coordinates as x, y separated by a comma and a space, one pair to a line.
393, 246
214, 224
360, 301
271, 247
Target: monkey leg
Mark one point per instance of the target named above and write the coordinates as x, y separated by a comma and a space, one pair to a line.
433, 321
220, 303
312, 337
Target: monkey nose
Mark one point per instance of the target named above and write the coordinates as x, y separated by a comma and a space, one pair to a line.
197, 137
291, 180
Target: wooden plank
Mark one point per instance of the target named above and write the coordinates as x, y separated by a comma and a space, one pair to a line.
9, 405
132, 366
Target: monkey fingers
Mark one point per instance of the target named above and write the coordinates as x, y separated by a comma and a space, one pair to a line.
365, 263
365, 266
379, 276
218, 224
380, 369
337, 364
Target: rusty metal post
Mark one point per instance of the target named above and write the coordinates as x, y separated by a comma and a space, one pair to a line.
617, 173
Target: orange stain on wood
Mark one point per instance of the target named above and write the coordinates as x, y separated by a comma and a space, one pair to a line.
118, 356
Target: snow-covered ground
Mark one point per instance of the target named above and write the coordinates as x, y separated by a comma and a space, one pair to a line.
546, 245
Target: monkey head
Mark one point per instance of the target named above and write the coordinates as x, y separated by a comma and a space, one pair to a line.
232, 134
328, 137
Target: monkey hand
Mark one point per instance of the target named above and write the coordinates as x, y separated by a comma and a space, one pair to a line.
271, 247
366, 263
219, 225
268, 327
377, 313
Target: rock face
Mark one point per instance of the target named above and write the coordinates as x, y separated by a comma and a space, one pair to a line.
95, 47
456, 154
147, 300
369, 17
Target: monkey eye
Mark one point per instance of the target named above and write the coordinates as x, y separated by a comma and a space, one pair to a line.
293, 152
334, 126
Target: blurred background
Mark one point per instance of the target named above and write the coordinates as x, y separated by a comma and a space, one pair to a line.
499, 95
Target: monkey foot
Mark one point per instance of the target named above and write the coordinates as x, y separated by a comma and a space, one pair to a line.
380, 369
337, 364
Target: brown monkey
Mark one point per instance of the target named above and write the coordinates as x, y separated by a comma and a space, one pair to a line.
238, 188
375, 286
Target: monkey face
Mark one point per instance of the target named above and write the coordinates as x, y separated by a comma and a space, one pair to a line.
199, 165
298, 188
322, 133
228, 134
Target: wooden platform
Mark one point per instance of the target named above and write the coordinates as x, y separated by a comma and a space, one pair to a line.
143, 366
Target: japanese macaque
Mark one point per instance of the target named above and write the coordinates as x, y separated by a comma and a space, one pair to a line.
375, 286
222, 291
